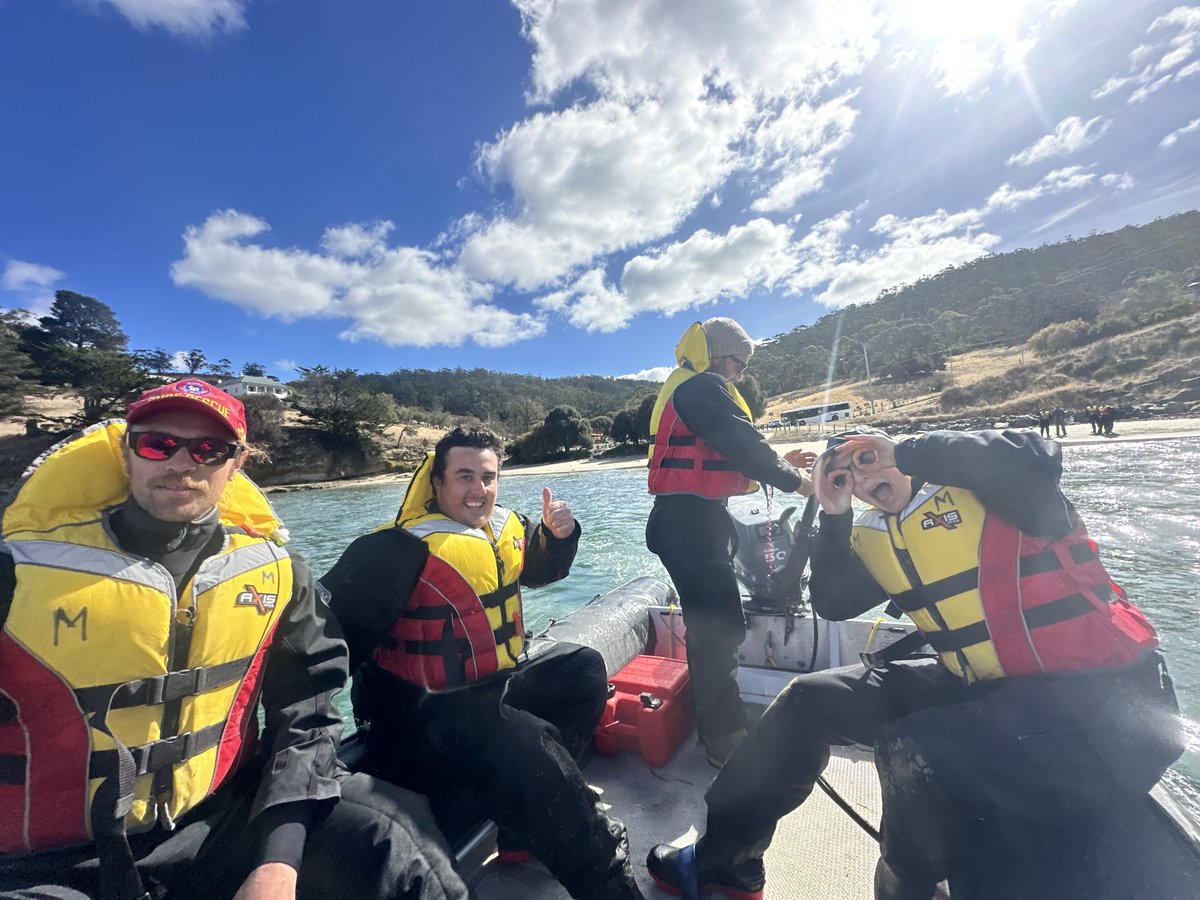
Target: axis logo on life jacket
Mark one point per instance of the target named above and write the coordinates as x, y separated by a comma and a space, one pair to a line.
260, 600
950, 519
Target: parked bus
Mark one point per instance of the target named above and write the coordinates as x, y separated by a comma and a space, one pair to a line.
815, 415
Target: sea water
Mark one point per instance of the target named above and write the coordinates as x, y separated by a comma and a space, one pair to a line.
1140, 500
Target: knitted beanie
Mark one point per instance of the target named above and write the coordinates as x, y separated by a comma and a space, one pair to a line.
727, 338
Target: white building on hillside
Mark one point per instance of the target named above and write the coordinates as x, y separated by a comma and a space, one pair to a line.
253, 386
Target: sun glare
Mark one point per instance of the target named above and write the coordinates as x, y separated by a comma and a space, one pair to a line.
958, 20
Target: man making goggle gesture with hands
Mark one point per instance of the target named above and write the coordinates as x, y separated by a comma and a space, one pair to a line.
863, 466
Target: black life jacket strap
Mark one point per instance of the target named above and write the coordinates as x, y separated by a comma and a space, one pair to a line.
159, 755
163, 688
498, 596
674, 462
906, 646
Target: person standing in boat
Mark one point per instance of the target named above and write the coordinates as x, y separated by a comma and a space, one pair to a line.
704, 448
1048, 697
448, 692
148, 603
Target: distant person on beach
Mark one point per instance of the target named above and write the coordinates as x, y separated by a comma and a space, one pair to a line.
1107, 416
1093, 415
449, 692
148, 605
1048, 698
705, 449
1044, 423
1058, 418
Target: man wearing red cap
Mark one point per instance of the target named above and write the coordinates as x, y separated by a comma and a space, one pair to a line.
148, 604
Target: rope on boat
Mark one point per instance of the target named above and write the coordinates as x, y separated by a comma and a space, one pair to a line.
938, 892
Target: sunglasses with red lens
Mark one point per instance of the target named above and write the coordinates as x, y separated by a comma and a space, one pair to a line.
158, 446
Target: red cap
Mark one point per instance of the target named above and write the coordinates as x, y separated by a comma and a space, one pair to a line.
192, 395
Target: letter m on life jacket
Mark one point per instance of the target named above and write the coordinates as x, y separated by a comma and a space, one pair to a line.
942, 499
80, 619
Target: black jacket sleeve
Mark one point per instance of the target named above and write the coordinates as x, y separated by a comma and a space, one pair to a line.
370, 584
1015, 474
840, 586
547, 558
8, 583
708, 410
305, 667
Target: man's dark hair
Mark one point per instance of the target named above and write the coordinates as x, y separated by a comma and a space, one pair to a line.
471, 436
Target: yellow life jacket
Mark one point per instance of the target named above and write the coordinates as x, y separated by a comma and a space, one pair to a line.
680, 461
117, 719
463, 620
996, 602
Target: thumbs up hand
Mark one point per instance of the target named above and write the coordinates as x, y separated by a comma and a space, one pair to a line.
556, 515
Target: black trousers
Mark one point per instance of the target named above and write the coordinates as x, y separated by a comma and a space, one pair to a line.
947, 754
377, 841
693, 537
515, 746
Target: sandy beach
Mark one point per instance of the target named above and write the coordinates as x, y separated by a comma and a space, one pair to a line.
1129, 430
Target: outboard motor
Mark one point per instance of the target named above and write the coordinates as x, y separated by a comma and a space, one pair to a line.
771, 555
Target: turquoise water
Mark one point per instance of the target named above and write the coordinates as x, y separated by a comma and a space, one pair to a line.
1141, 501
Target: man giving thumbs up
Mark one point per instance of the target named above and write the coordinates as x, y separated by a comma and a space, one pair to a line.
453, 694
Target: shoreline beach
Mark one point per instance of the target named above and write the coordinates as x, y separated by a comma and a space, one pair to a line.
1079, 433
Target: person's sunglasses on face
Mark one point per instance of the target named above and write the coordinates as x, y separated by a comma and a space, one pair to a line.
158, 446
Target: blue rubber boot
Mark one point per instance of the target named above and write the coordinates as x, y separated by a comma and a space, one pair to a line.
675, 870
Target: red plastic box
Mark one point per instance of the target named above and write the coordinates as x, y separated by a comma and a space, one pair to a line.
650, 710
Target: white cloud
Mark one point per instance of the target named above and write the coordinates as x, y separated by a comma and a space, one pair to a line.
24, 276
764, 48
31, 283
286, 366
707, 267
357, 240
793, 149
1171, 139
693, 273
1070, 135
596, 179
912, 248
646, 117
1111, 86
1167, 57
399, 295
664, 131
658, 373
187, 18
1056, 182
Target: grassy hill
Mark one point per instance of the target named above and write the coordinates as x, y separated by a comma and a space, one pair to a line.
1151, 370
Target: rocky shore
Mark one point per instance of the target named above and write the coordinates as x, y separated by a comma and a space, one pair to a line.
1079, 433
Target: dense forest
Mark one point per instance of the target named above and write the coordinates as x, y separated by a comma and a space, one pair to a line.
1097, 286
513, 402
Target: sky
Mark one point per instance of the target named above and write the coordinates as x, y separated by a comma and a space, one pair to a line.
561, 187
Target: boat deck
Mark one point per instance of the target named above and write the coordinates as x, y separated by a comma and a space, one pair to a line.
818, 851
